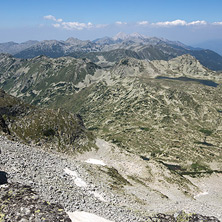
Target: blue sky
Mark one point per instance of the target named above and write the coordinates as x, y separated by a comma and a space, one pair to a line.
188, 21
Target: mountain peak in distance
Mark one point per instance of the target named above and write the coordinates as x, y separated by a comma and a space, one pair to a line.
124, 36
120, 35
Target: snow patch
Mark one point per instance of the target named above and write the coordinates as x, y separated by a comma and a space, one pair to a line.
81, 183
81, 216
95, 161
201, 194
78, 181
98, 196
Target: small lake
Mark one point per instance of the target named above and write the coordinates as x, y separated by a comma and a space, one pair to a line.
186, 79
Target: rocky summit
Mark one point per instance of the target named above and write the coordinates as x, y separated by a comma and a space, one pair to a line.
137, 140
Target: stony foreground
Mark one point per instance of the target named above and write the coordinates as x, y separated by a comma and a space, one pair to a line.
20, 203
42, 183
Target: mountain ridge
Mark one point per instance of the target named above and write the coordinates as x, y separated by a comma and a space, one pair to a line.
140, 46
25, 78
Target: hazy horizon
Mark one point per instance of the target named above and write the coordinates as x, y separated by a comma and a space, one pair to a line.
190, 22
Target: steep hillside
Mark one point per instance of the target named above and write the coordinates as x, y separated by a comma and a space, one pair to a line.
43, 77
172, 121
49, 128
43, 185
107, 58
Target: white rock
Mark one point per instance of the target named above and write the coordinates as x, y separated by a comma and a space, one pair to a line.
78, 181
98, 196
81, 216
201, 194
95, 161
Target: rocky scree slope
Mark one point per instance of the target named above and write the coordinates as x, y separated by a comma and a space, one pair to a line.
49, 175
46, 127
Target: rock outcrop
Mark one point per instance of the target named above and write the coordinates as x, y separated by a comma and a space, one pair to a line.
49, 128
20, 203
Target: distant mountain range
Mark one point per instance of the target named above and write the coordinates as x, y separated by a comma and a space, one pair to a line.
13, 47
106, 51
215, 45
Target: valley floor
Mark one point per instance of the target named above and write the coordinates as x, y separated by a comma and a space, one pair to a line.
70, 181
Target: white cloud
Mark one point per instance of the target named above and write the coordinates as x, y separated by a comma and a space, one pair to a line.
53, 18
197, 23
121, 23
143, 23
217, 23
77, 25
72, 25
50, 17
59, 20
56, 25
177, 22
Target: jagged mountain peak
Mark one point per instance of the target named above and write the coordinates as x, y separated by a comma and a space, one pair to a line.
50, 42
180, 60
137, 35
29, 42
188, 60
124, 36
129, 61
120, 35
73, 40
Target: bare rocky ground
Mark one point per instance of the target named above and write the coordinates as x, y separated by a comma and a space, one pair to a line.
101, 182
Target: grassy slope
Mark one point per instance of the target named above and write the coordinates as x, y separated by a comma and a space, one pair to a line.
50, 128
161, 119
